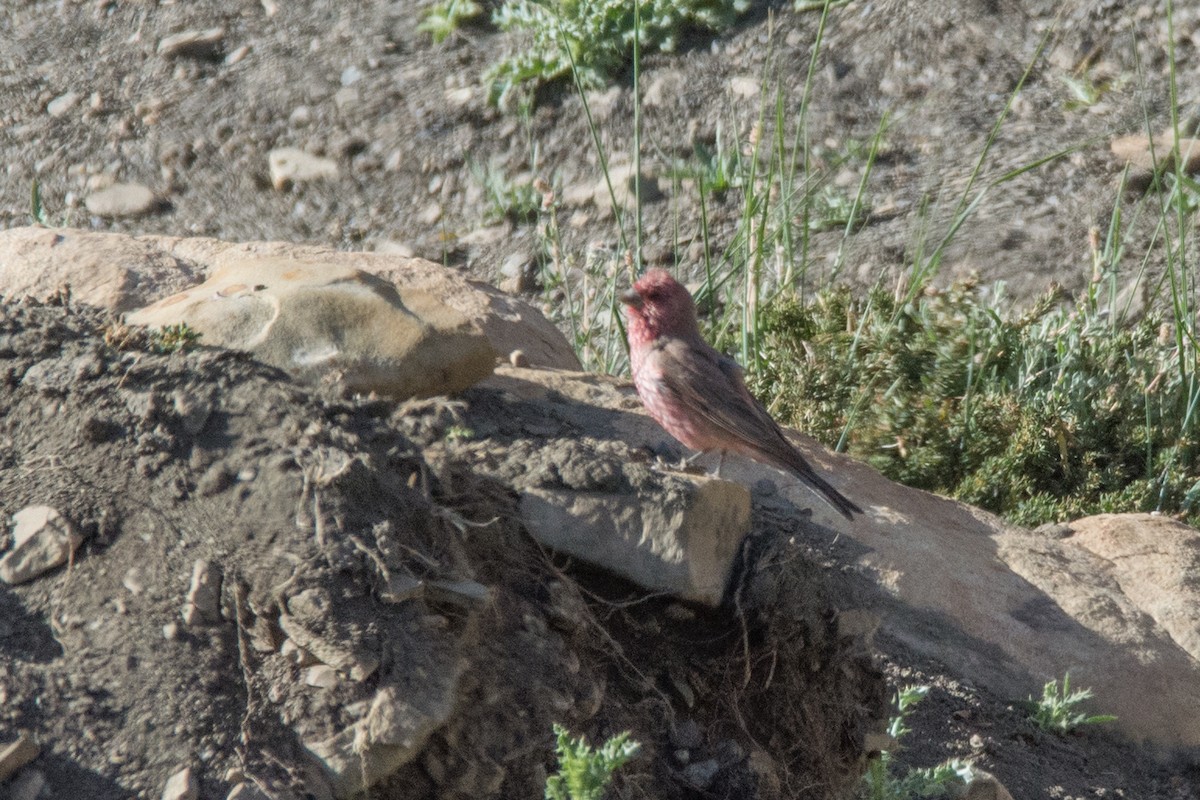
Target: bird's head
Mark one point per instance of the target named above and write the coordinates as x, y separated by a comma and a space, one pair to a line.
659, 305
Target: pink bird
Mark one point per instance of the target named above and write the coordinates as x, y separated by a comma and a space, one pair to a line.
697, 393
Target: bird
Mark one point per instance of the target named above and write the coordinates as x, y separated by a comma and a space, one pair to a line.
699, 394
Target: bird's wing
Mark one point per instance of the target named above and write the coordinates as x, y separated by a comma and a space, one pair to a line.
712, 386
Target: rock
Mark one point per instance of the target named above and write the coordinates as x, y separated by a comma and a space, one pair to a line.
237, 55
291, 165
745, 87
62, 104
42, 540
183, 785
192, 44
1137, 151
985, 787
17, 754
1155, 561
203, 606
122, 200
111, 271
122, 273
518, 359
392, 734
460, 593
329, 324
322, 676
684, 542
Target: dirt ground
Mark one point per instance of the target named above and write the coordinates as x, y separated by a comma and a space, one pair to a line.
356, 82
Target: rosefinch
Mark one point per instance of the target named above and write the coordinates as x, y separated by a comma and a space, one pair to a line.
696, 393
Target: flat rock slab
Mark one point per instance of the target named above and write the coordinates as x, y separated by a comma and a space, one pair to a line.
42, 540
123, 273
323, 322
684, 543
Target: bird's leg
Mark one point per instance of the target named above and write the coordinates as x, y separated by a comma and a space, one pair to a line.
720, 461
686, 463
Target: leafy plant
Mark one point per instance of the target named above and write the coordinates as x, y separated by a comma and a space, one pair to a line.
594, 38
168, 339
715, 169
37, 213
880, 784
584, 773
1057, 709
443, 19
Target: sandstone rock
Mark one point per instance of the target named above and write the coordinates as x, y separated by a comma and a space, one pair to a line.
42, 540
122, 200
122, 273
112, 271
324, 323
291, 165
1155, 561
183, 785
321, 676
684, 544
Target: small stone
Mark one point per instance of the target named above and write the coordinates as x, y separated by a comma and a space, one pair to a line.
351, 75
171, 631
62, 104
459, 98
290, 165
744, 88
203, 605
192, 44
300, 116
182, 786
42, 540
518, 359
122, 200
430, 215
322, 676
237, 55
133, 581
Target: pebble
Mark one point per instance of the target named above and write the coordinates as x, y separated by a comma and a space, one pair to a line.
518, 359
192, 44
62, 104
182, 786
291, 165
122, 200
42, 539
171, 631
237, 55
300, 116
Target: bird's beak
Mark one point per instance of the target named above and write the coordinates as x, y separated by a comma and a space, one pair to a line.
632, 298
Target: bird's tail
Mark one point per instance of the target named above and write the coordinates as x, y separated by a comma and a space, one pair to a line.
835, 498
